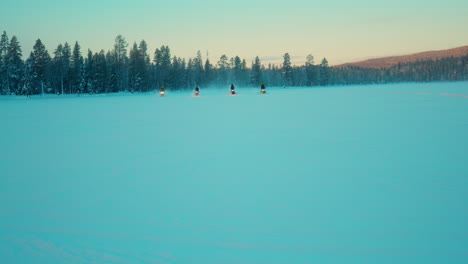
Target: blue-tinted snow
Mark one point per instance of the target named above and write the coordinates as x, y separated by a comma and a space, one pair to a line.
372, 174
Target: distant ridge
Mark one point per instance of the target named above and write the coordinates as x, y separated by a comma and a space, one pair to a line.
386, 62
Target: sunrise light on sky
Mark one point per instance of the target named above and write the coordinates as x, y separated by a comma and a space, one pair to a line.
339, 30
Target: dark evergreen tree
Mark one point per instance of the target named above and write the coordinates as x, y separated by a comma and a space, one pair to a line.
311, 71
223, 70
76, 69
113, 71
28, 76
4, 75
66, 63
15, 66
237, 69
177, 74
40, 66
197, 68
144, 65
58, 71
138, 67
324, 73
90, 74
208, 72
100, 73
162, 61
257, 77
133, 69
287, 70
244, 73
111, 67
190, 73
120, 63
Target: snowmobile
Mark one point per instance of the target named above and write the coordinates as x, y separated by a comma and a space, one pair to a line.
197, 91
232, 89
262, 89
162, 91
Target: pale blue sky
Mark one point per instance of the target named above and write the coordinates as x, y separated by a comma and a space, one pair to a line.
340, 30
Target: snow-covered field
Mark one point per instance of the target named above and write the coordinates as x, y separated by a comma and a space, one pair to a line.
370, 174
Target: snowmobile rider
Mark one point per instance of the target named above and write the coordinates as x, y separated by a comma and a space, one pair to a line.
197, 90
162, 91
232, 89
262, 89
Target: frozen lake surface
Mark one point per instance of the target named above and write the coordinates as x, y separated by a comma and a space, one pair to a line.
360, 174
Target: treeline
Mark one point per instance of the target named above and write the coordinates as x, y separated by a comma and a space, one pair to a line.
446, 69
69, 71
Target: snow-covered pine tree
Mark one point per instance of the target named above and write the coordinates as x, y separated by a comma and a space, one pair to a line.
162, 61
58, 70
76, 68
178, 74
4, 44
28, 76
100, 80
121, 63
66, 62
111, 82
41, 60
133, 73
89, 75
138, 67
144, 65
82, 79
14, 65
